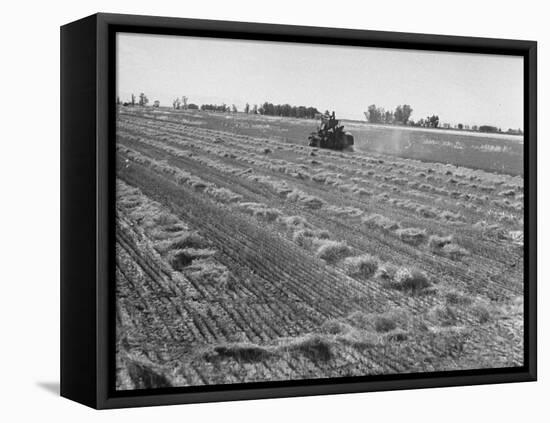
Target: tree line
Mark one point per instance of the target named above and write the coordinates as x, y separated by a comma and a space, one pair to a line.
267, 109
428, 122
141, 101
287, 110
400, 116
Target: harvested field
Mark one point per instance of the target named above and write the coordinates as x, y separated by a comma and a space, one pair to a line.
241, 259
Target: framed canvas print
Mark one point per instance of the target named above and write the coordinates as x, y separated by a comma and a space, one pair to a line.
254, 211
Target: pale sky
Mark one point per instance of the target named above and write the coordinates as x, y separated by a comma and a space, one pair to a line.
472, 89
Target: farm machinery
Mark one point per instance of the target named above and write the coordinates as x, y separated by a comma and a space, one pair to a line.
331, 135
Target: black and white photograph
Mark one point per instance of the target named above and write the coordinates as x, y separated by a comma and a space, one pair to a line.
290, 211
243, 212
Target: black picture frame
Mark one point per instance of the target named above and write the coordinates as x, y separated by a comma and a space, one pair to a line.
87, 208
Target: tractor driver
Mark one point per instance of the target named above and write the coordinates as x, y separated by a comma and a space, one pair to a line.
325, 119
332, 122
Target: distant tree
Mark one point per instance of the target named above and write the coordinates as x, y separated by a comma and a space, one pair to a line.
176, 104
184, 102
133, 100
432, 121
381, 115
312, 112
192, 106
143, 100
247, 108
286, 110
373, 114
488, 128
402, 114
460, 126
118, 100
255, 109
398, 114
407, 112
234, 108
514, 131
268, 109
216, 107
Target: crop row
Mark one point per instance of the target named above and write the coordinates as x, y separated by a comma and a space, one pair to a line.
390, 168
350, 183
453, 252
338, 249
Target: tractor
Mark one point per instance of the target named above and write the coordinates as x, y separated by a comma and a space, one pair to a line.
331, 135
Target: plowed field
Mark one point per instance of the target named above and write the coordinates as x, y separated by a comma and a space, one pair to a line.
246, 258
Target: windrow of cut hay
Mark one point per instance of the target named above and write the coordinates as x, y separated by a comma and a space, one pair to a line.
332, 251
432, 212
411, 236
284, 189
222, 195
444, 245
183, 249
260, 211
139, 373
328, 250
395, 163
363, 266
424, 212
